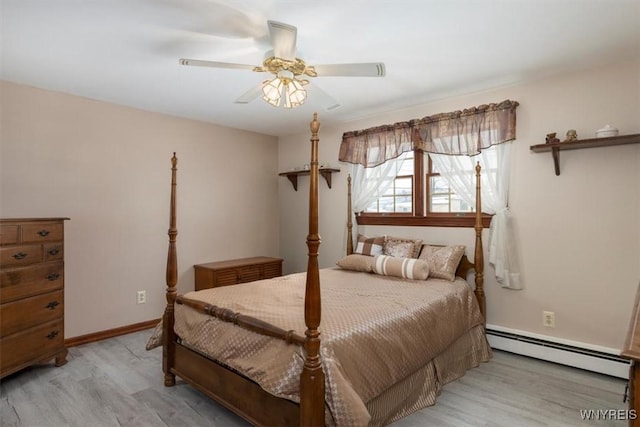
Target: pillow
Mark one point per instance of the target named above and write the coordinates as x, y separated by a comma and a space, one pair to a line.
356, 262
155, 340
369, 245
443, 260
407, 268
402, 247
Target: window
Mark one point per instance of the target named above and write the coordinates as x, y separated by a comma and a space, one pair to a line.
423, 198
441, 199
398, 198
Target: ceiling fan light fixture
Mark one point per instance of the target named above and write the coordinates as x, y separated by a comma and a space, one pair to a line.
295, 94
272, 91
284, 90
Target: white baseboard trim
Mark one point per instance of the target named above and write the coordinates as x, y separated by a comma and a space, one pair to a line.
594, 358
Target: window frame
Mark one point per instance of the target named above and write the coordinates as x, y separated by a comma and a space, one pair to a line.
420, 215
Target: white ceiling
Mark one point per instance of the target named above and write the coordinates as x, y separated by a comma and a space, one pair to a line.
126, 51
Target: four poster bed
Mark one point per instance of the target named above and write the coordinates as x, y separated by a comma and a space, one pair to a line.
385, 348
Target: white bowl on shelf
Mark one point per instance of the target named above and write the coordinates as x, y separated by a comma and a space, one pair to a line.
606, 131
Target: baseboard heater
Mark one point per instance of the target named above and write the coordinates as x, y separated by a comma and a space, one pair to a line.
604, 362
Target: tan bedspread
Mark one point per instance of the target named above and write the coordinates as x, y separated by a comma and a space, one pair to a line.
375, 332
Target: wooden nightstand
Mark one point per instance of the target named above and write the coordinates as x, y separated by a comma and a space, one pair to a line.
232, 272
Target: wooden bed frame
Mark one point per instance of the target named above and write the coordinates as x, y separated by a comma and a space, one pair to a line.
233, 390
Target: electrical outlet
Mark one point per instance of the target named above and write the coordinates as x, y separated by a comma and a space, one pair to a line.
549, 319
142, 297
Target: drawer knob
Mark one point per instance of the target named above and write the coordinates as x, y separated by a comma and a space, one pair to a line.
20, 255
52, 334
43, 233
54, 251
52, 305
53, 276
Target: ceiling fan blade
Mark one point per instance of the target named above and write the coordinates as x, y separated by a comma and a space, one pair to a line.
283, 39
250, 95
328, 102
201, 63
371, 69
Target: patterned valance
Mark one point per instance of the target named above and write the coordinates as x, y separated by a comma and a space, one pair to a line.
457, 133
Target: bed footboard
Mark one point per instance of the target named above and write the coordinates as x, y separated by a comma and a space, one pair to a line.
231, 389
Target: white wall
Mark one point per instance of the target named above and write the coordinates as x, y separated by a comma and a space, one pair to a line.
107, 168
578, 233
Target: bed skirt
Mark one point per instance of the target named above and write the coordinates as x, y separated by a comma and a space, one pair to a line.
421, 389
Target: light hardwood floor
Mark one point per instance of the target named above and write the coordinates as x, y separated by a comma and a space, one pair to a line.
116, 382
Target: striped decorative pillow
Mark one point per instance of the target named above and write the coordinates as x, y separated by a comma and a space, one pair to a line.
369, 245
407, 268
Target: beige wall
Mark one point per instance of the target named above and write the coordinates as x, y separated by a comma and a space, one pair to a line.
107, 168
578, 233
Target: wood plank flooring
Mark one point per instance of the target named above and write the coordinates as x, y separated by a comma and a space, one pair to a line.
116, 382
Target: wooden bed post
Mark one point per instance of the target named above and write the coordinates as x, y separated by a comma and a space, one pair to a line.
478, 257
349, 220
312, 377
168, 335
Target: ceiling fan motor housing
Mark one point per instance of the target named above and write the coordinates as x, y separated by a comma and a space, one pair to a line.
297, 66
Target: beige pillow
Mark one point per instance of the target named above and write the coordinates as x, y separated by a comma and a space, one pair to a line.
402, 247
155, 340
369, 245
407, 268
356, 262
443, 260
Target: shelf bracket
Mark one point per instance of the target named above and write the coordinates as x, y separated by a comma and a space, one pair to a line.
294, 181
327, 176
555, 152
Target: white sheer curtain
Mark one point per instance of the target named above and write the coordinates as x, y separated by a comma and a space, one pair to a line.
495, 163
368, 184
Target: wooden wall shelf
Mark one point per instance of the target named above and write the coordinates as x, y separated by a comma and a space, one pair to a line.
556, 147
324, 172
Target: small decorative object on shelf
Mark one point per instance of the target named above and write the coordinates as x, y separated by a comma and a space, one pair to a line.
572, 135
551, 138
606, 132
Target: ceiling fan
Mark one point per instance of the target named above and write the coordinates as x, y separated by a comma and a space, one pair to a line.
286, 89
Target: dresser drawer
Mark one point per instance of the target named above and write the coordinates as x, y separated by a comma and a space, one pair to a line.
53, 252
249, 274
272, 270
42, 232
9, 234
20, 255
28, 312
31, 345
225, 277
27, 281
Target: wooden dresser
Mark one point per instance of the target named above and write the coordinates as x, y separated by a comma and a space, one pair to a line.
31, 293
231, 272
